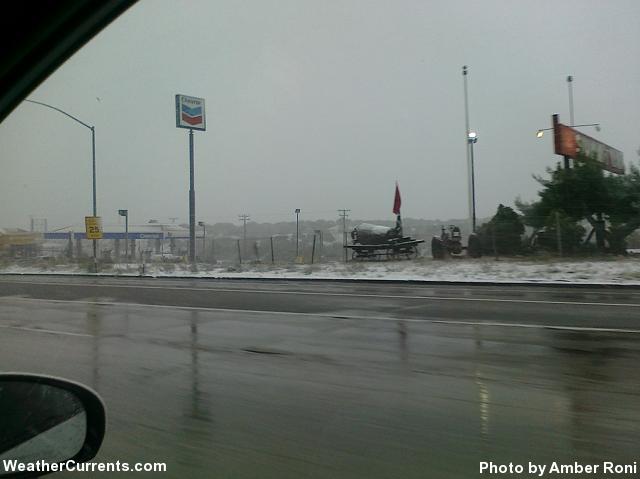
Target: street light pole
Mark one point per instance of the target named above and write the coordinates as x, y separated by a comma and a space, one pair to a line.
570, 86
125, 213
467, 144
95, 209
93, 163
297, 232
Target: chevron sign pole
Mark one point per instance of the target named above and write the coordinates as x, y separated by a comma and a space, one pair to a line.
190, 114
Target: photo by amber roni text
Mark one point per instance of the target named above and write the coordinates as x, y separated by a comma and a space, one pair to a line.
605, 467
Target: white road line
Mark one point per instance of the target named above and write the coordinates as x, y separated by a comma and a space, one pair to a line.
46, 331
334, 316
349, 295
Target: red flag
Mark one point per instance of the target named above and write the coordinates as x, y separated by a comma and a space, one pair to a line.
397, 201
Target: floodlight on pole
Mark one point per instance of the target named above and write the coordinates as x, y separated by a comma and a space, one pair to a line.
540, 132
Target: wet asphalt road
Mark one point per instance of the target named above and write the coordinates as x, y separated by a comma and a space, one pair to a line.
304, 379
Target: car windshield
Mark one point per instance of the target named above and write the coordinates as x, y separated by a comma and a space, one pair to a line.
337, 239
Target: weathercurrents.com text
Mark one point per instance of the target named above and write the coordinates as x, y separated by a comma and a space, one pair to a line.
14, 466
602, 469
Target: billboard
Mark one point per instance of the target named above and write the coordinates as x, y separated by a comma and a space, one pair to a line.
570, 143
190, 112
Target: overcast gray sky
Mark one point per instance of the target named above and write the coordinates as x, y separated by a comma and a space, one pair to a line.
320, 105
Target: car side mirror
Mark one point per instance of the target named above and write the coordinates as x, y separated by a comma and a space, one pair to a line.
46, 421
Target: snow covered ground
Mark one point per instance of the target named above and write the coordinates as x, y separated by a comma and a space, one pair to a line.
613, 271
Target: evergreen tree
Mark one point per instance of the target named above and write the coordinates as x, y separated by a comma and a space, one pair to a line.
503, 233
586, 193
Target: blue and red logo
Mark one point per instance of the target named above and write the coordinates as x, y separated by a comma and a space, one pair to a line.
191, 115
190, 112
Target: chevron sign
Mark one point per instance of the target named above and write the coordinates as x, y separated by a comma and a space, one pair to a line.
190, 112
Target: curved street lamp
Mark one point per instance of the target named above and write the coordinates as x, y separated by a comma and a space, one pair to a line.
93, 151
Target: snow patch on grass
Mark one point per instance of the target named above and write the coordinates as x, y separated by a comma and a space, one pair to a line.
606, 271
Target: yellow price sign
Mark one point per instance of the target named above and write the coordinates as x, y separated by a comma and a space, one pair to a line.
93, 225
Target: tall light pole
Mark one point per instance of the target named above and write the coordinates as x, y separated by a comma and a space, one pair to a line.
93, 162
125, 213
204, 236
472, 138
570, 86
467, 145
297, 232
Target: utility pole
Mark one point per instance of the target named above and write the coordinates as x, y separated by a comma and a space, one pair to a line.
344, 214
244, 218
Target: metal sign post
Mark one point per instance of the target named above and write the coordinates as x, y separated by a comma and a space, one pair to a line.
192, 203
190, 115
